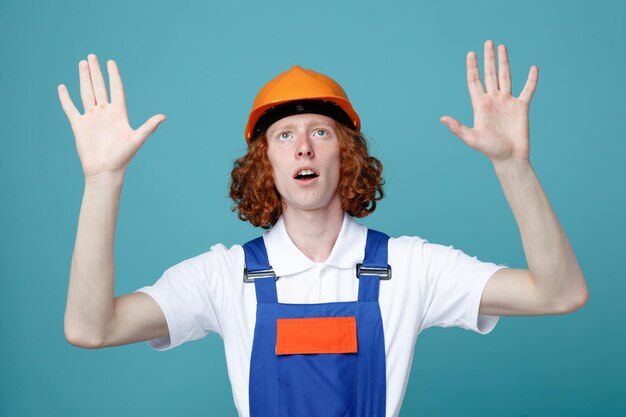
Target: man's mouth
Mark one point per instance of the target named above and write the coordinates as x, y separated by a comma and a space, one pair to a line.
306, 174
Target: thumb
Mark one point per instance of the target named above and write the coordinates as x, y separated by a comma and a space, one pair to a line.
149, 127
458, 128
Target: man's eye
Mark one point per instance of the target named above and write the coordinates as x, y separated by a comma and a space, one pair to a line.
321, 132
284, 135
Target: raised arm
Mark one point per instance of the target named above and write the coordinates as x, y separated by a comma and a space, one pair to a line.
554, 283
106, 144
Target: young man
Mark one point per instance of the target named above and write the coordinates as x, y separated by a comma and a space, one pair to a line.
320, 315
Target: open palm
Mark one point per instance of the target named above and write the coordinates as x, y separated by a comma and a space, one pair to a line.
104, 139
500, 129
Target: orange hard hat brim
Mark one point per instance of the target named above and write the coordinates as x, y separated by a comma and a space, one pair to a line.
344, 105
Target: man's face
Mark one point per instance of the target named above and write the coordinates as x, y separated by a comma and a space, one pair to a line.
304, 153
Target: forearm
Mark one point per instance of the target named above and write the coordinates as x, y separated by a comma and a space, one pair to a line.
90, 304
550, 257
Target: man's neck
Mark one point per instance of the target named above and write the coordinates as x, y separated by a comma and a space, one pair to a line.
314, 232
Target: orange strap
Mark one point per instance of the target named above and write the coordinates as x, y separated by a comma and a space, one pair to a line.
316, 335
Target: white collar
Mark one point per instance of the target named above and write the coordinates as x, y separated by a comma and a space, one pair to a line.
287, 259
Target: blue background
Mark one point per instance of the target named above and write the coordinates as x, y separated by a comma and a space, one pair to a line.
403, 66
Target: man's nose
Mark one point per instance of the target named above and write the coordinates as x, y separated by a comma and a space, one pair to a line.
304, 149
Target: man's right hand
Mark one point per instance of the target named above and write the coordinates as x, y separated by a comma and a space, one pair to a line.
106, 143
104, 139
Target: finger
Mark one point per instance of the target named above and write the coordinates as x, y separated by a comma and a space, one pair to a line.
97, 80
66, 102
149, 127
504, 72
491, 82
86, 89
531, 84
473, 79
458, 128
117, 88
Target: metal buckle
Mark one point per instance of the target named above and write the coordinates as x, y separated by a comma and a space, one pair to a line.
383, 273
265, 273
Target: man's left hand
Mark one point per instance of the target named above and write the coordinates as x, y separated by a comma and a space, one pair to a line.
500, 129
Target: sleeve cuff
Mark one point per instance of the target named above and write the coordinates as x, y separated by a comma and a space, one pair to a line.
481, 323
162, 343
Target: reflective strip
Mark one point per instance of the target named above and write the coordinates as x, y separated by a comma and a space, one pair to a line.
316, 335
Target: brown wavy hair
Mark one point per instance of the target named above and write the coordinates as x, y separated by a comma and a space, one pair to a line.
257, 200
